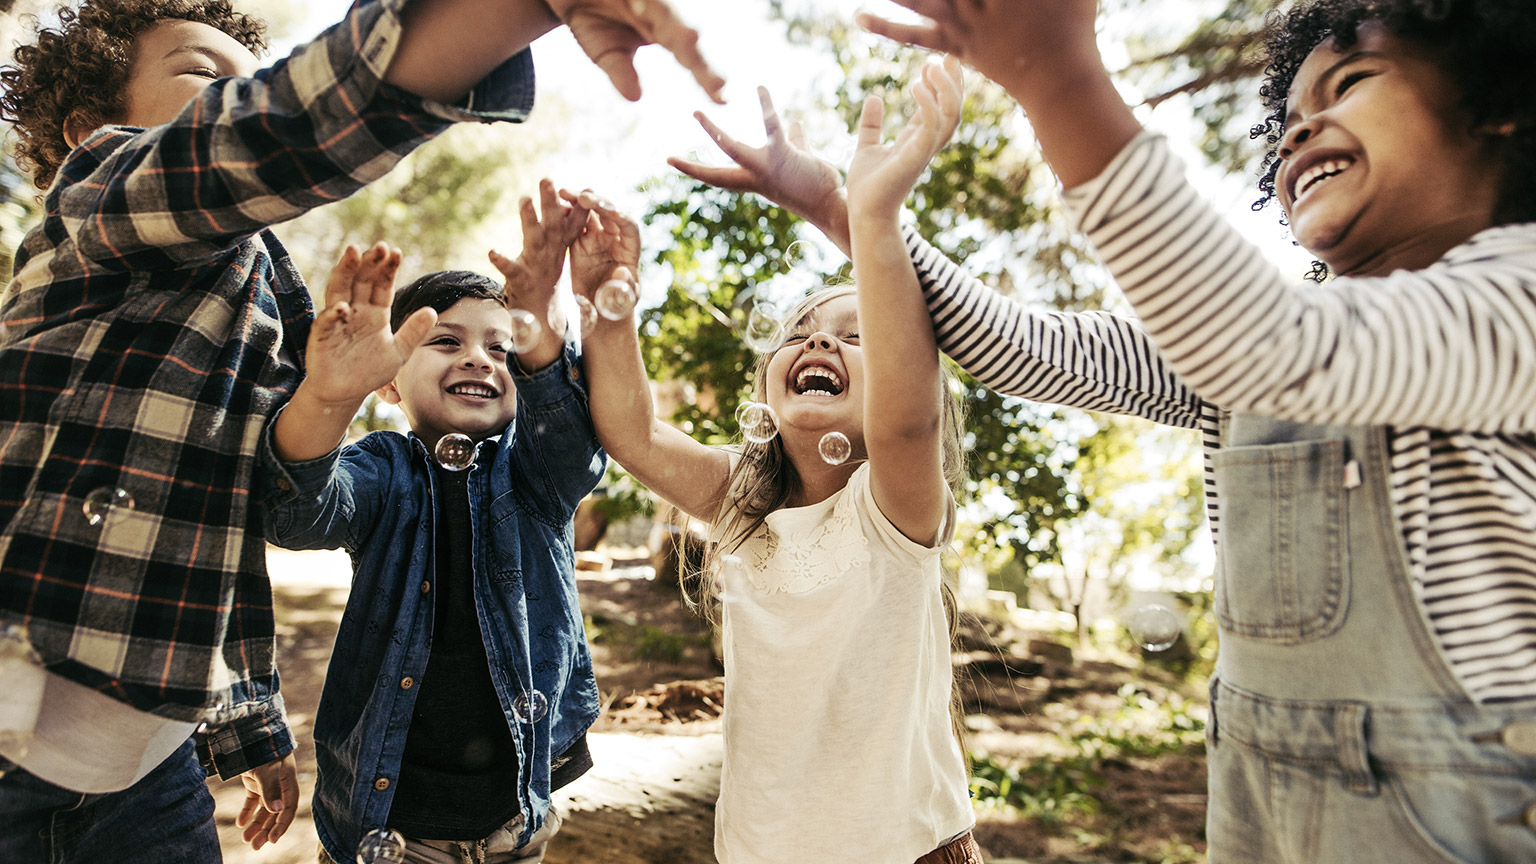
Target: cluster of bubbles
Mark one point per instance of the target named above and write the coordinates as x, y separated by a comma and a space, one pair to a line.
105, 503
525, 330
381, 846
530, 707
758, 422
1155, 627
616, 298
456, 451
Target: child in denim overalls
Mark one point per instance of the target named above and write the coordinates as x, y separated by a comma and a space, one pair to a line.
1374, 473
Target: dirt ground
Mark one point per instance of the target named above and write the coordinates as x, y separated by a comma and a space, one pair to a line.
1075, 742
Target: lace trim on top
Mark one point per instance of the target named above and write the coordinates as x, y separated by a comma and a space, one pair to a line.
794, 562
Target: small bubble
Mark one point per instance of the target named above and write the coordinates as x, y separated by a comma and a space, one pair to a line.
587, 314
616, 299
834, 448
455, 451
530, 707
525, 330
381, 846
759, 422
106, 502
1155, 627
762, 331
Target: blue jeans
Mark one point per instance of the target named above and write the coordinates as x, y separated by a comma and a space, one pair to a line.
165, 818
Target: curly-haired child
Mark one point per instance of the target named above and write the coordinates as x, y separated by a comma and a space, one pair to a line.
153, 327
1373, 485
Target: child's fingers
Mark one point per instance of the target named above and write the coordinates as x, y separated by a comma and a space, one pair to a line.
338, 286
870, 119
549, 201
529, 217
367, 271
738, 152
730, 178
928, 36
248, 809
682, 41
413, 330
619, 65
771, 124
383, 282
937, 11
797, 135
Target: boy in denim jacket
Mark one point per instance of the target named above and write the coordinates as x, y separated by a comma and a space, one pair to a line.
153, 327
460, 687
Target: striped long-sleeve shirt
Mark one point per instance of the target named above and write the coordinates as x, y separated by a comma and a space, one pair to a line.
153, 327
1444, 357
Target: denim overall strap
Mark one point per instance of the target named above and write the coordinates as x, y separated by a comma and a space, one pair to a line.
1338, 732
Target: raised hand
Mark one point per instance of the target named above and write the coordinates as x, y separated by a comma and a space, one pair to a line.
611, 241
548, 232
351, 350
783, 170
882, 175
610, 31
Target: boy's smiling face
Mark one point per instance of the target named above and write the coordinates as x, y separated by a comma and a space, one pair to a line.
172, 62
1381, 170
457, 379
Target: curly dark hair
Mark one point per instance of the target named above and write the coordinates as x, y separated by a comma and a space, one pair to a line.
81, 68
1486, 47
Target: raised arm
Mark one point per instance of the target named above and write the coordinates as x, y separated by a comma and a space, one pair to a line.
351, 353
691, 475
531, 277
903, 389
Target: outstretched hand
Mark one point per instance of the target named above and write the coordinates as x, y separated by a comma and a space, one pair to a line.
611, 241
548, 232
881, 175
783, 170
351, 350
610, 31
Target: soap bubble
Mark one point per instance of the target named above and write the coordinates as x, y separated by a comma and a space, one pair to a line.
381, 846
106, 502
525, 330
759, 422
530, 707
455, 451
616, 298
1155, 627
835, 448
762, 330
586, 314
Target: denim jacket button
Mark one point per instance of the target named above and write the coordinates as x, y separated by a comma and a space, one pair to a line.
425, 586
283, 484
407, 683
1520, 737
381, 784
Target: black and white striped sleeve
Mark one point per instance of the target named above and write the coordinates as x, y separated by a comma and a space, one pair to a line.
1091, 360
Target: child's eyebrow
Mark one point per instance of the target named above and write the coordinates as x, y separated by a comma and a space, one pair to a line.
1327, 75
206, 51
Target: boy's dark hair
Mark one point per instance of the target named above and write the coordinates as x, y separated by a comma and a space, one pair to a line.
81, 68
1485, 47
441, 290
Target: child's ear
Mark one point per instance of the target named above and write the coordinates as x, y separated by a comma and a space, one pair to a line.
78, 126
389, 394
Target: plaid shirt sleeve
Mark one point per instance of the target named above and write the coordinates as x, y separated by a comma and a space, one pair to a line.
252, 152
249, 742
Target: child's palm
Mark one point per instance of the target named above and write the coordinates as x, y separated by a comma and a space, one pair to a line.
882, 175
351, 350
611, 240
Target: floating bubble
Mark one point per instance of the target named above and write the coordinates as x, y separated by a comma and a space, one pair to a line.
106, 502
1155, 627
616, 298
834, 448
759, 423
762, 330
381, 846
455, 451
525, 330
586, 314
530, 707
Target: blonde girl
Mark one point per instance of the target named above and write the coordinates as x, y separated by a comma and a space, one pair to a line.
838, 741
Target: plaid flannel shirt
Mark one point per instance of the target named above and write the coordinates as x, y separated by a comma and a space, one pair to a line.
153, 327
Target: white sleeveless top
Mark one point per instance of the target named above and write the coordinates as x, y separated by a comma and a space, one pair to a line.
838, 743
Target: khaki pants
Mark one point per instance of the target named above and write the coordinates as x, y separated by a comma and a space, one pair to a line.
499, 848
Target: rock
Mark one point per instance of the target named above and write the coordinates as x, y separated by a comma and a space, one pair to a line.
649, 799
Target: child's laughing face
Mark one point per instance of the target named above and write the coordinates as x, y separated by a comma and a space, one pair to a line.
457, 379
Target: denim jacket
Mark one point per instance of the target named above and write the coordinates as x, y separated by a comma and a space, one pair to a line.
376, 499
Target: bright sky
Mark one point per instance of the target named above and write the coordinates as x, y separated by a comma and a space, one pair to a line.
614, 146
